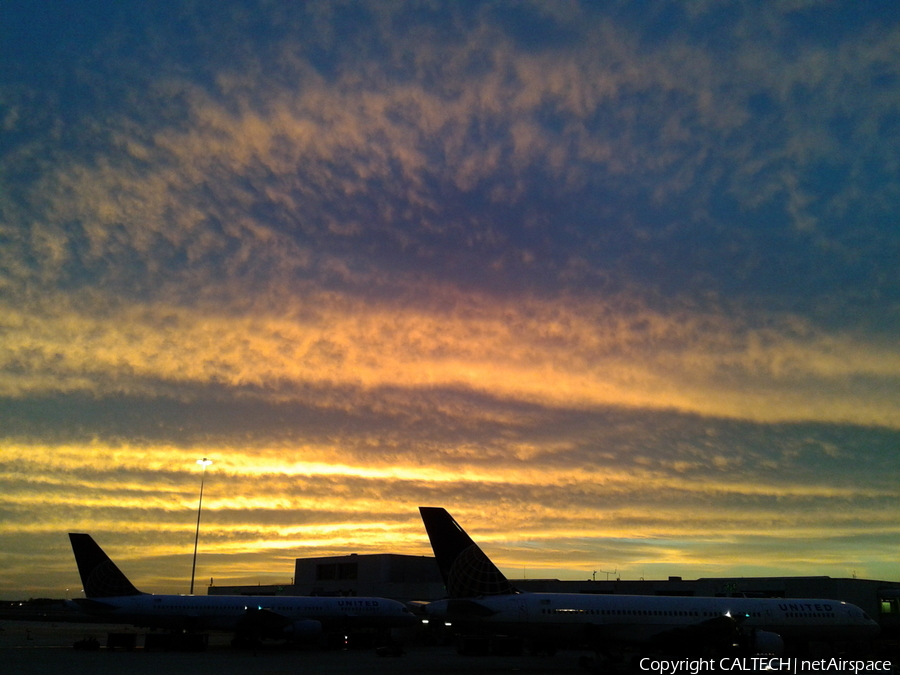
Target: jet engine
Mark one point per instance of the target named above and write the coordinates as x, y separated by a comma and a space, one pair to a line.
765, 642
303, 628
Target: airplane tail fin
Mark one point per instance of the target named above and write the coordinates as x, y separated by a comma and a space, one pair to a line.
466, 570
99, 575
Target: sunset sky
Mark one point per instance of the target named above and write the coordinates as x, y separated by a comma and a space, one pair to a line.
617, 284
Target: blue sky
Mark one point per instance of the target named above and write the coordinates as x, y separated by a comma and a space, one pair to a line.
614, 284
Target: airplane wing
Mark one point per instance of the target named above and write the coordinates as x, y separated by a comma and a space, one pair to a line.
260, 623
468, 609
720, 632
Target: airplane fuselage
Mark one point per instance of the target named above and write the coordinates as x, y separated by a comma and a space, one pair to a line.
231, 612
635, 619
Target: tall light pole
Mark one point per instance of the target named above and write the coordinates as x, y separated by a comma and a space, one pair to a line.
204, 463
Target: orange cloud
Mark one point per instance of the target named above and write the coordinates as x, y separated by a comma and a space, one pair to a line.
198, 255
563, 352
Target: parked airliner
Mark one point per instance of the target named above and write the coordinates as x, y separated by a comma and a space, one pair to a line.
110, 595
481, 599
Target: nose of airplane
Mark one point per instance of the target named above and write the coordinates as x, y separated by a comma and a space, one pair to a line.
404, 615
874, 626
408, 618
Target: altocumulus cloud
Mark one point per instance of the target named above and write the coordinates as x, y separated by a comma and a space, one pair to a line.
622, 282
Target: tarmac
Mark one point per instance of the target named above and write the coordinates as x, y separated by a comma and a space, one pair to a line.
39, 648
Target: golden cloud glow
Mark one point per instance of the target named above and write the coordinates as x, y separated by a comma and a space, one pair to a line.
564, 352
426, 264
372, 506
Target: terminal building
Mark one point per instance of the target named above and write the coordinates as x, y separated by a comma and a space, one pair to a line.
417, 578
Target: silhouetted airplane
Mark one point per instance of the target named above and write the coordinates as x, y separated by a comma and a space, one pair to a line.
482, 600
110, 595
